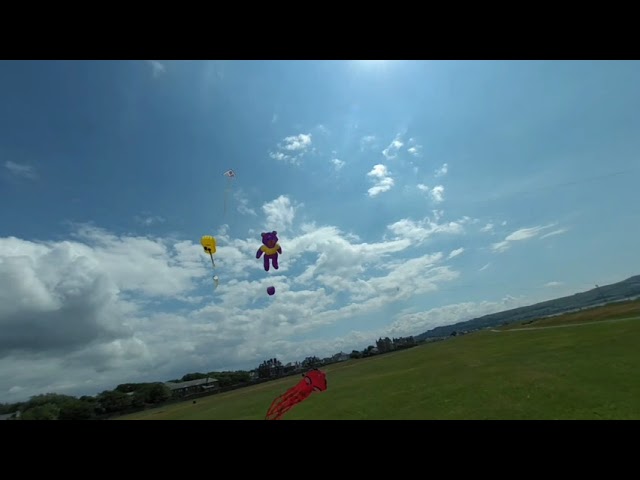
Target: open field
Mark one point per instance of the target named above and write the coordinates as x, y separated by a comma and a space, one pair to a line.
588, 372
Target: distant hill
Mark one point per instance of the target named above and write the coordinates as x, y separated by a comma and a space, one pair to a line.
626, 289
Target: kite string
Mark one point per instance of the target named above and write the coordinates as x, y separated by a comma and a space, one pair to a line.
225, 202
226, 195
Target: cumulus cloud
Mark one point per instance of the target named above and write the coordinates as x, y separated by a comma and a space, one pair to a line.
519, 236
442, 171
86, 318
98, 309
383, 180
394, 147
292, 149
338, 164
487, 228
279, 213
66, 308
414, 149
437, 193
21, 170
297, 142
420, 231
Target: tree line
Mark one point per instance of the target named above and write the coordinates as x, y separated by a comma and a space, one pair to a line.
134, 396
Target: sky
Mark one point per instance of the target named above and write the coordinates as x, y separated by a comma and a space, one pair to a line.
406, 195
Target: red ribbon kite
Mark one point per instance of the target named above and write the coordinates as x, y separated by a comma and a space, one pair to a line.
313, 381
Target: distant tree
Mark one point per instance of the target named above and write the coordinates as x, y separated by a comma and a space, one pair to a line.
367, 351
289, 368
270, 368
226, 379
355, 354
45, 398
157, 393
112, 401
47, 411
385, 344
10, 407
76, 410
128, 387
311, 362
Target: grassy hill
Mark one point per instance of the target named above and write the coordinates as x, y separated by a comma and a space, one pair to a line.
583, 367
626, 289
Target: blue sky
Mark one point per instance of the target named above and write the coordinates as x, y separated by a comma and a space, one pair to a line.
407, 195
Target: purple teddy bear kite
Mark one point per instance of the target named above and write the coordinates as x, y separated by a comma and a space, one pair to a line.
270, 248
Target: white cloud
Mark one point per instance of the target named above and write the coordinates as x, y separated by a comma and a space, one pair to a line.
487, 228
279, 214
421, 231
394, 147
21, 170
518, 236
297, 142
274, 118
414, 149
555, 232
86, 314
88, 320
484, 267
383, 181
553, 284
281, 157
442, 171
157, 68
292, 149
456, 252
437, 193
338, 164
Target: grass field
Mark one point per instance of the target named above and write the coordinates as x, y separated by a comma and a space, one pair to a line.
587, 372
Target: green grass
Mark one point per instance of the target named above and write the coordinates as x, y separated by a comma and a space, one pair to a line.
613, 311
588, 372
